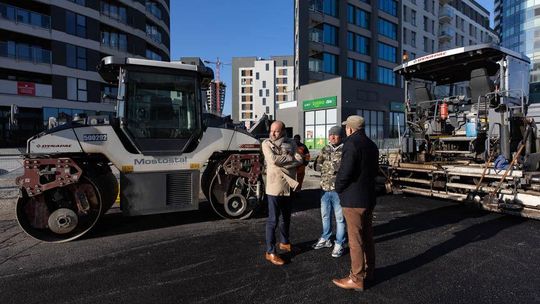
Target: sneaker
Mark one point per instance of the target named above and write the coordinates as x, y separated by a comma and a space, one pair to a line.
322, 243
338, 251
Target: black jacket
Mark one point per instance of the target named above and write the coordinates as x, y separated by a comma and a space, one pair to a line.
355, 180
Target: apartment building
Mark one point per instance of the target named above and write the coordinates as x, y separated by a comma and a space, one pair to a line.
259, 86
49, 51
345, 52
215, 97
430, 26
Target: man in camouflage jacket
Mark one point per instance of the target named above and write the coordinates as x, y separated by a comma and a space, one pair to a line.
328, 163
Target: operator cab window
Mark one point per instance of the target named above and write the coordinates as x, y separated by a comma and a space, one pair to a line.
162, 106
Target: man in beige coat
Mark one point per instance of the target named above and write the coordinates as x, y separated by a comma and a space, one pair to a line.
281, 161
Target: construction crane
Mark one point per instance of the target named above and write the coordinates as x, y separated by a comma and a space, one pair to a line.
218, 63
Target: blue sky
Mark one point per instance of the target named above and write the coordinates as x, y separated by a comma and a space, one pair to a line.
235, 28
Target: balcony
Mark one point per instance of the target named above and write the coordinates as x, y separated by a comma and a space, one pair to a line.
19, 15
446, 14
446, 34
24, 52
315, 65
316, 35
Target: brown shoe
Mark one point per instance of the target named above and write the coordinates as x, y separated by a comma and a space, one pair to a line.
285, 247
274, 259
348, 283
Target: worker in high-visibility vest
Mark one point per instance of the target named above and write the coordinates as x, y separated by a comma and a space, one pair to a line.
304, 152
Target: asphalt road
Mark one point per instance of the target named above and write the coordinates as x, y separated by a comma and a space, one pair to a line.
428, 251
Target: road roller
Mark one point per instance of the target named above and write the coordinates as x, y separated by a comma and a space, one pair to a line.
160, 140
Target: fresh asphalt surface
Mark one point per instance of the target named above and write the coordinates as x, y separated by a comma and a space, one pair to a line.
428, 251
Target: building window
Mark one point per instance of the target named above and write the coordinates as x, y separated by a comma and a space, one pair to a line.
330, 34
153, 32
247, 98
386, 76
388, 6
154, 9
285, 63
24, 52
75, 24
362, 44
264, 84
388, 29
413, 17
257, 75
329, 64
75, 57
357, 16
361, 70
426, 46
260, 92
357, 69
76, 89
396, 122
374, 123
387, 52
20, 15
350, 67
264, 101
413, 39
152, 55
362, 18
426, 24
350, 13
267, 67
267, 92
267, 110
330, 7
114, 11
114, 40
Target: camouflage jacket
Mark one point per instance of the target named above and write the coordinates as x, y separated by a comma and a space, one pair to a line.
328, 163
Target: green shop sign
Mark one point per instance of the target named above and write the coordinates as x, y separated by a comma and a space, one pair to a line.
320, 103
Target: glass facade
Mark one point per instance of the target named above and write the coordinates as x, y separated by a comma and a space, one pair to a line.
517, 23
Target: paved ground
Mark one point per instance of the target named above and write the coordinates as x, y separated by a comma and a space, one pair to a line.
428, 251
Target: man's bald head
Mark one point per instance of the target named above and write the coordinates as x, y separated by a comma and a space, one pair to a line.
277, 130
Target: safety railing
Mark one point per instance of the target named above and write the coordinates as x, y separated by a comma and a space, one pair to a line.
20, 15
23, 52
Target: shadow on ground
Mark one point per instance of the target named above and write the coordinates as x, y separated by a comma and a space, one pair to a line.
116, 223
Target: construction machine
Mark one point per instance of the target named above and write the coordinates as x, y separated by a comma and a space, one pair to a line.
164, 149
471, 132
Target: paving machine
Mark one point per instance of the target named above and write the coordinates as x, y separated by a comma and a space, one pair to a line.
471, 134
164, 149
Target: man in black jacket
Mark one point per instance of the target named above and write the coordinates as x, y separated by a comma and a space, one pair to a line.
355, 184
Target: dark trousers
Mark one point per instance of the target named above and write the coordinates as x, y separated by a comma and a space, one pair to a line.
279, 209
362, 248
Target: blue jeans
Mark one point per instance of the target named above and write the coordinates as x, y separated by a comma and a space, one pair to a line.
279, 207
329, 201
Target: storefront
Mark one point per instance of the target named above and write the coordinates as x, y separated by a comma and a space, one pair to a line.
319, 116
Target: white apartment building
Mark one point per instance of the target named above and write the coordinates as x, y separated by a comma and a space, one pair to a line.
259, 85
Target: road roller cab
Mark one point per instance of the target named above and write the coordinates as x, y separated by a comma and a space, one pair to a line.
160, 145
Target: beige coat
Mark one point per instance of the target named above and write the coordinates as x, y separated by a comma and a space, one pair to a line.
281, 162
